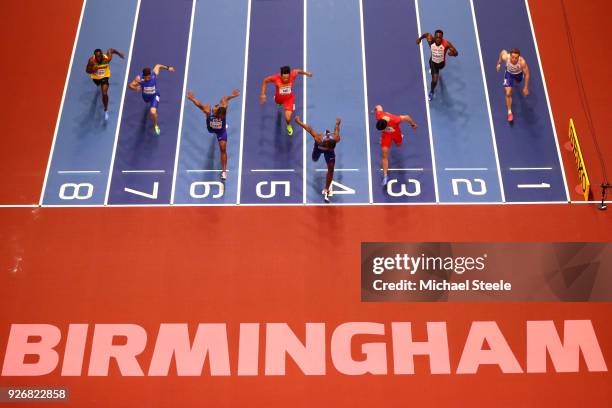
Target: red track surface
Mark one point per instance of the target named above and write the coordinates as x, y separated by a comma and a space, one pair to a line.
255, 264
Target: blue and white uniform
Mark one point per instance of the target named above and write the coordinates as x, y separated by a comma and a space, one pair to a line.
514, 72
323, 148
150, 94
217, 126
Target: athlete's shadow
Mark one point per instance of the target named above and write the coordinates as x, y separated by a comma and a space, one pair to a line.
146, 142
526, 111
90, 121
209, 158
450, 104
282, 141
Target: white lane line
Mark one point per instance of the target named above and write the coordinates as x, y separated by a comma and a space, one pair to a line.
61, 108
142, 171
78, 171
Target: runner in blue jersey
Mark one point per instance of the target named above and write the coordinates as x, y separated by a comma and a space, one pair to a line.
324, 144
216, 122
147, 83
516, 70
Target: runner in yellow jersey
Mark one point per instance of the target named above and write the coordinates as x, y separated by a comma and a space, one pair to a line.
98, 68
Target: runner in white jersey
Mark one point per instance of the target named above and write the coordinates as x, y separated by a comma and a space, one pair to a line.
516, 68
439, 48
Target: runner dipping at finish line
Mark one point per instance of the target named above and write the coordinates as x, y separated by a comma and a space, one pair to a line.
439, 47
389, 125
516, 69
284, 91
216, 122
98, 68
148, 84
325, 144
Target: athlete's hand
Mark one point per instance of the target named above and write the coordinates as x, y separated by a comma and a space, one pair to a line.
235, 92
414, 125
338, 121
498, 67
262, 98
190, 95
309, 74
298, 120
418, 40
525, 91
171, 69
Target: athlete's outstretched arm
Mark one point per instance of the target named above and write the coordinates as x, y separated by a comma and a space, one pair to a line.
527, 77
407, 118
226, 99
197, 103
262, 97
337, 130
453, 51
161, 66
425, 35
307, 73
503, 55
90, 65
307, 128
112, 51
135, 84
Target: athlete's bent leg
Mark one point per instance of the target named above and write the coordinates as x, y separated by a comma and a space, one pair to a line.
434, 82
104, 91
288, 114
330, 175
385, 164
509, 103
222, 148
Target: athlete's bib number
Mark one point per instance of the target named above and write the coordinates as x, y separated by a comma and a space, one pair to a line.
216, 124
437, 53
101, 72
284, 90
150, 90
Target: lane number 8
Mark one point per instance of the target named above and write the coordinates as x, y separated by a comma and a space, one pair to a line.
74, 191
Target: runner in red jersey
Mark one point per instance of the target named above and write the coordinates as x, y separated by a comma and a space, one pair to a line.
439, 47
284, 91
389, 125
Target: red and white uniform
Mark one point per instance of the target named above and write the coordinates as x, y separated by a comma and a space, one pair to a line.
438, 52
392, 132
284, 90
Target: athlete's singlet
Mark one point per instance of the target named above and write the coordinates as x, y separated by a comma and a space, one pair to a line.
101, 69
438, 52
217, 126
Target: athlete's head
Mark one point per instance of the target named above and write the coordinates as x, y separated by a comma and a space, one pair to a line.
381, 124
438, 37
219, 111
329, 140
146, 74
98, 55
515, 53
285, 73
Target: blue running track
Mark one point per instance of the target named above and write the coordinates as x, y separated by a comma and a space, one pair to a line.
528, 153
144, 163
394, 80
362, 53
272, 161
83, 147
466, 163
335, 57
216, 67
